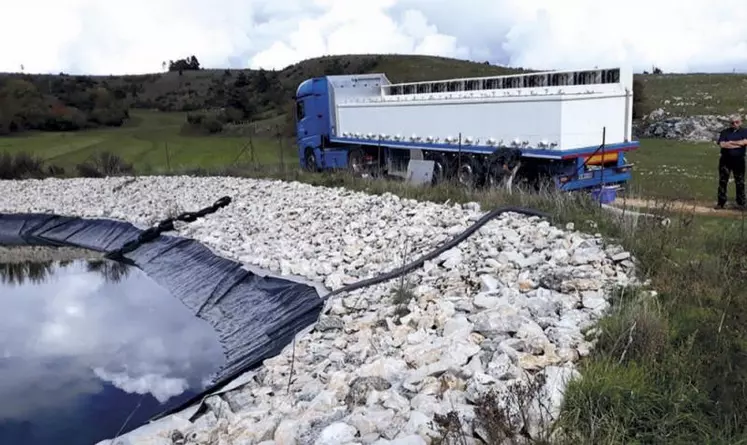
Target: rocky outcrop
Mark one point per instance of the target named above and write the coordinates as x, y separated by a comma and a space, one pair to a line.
658, 124
487, 333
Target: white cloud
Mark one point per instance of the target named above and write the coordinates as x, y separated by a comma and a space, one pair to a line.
137, 36
161, 387
63, 338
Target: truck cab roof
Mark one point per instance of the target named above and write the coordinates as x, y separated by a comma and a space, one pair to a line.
306, 88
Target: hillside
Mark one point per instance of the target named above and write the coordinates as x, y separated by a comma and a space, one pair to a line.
216, 97
695, 94
248, 94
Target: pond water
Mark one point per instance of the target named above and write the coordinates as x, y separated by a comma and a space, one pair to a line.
86, 344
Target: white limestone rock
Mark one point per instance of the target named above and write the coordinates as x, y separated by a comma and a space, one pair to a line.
510, 301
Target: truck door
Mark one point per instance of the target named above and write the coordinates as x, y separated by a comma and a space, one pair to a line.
312, 110
301, 121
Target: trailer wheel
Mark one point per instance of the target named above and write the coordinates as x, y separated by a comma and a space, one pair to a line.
495, 175
440, 167
502, 167
469, 172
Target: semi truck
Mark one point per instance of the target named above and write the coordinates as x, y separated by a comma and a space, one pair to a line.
569, 130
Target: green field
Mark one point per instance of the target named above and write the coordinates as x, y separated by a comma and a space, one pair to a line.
696, 94
153, 143
678, 170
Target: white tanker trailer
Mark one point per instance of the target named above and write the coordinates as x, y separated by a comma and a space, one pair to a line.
569, 129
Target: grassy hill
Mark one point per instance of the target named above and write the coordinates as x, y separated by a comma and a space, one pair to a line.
695, 94
251, 95
185, 118
190, 90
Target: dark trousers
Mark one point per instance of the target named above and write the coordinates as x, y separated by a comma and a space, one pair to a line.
727, 166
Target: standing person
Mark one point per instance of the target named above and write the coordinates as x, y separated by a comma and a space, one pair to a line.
732, 141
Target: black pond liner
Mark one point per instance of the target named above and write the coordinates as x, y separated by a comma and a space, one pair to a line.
255, 316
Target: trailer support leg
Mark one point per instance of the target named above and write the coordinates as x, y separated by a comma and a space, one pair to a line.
510, 180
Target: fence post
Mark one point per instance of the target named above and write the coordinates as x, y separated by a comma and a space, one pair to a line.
168, 156
601, 173
459, 157
280, 144
604, 141
252, 159
378, 159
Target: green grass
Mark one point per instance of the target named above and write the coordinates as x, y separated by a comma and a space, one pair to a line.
421, 68
696, 94
153, 143
677, 170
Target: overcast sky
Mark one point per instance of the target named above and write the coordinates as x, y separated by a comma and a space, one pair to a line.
104, 37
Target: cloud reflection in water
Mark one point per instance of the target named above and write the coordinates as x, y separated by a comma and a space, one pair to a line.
67, 331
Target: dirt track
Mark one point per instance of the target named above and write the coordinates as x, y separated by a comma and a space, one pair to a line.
675, 206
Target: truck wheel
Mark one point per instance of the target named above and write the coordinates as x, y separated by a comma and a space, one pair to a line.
310, 160
468, 171
501, 165
498, 178
497, 175
355, 161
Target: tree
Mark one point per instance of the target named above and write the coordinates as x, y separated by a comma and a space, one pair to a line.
263, 83
189, 64
334, 68
65, 103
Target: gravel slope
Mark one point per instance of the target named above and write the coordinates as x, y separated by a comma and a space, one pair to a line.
507, 305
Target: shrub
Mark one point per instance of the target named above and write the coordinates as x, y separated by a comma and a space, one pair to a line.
104, 164
203, 123
22, 166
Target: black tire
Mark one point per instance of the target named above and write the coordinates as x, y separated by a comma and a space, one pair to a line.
469, 172
499, 166
355, 161
441, 167
310, 160
496, 176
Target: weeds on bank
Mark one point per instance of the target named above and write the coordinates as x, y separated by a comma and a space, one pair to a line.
25, 166
670, 367
104, 164
404, 290
512, 416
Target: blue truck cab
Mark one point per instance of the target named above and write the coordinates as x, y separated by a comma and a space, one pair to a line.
312, 120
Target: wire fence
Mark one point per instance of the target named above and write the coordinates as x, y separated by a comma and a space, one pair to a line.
262, 148
271, 148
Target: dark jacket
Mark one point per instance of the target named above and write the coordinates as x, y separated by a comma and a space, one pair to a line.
732, 134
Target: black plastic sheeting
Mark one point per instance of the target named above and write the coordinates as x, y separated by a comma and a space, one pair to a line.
255, 316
